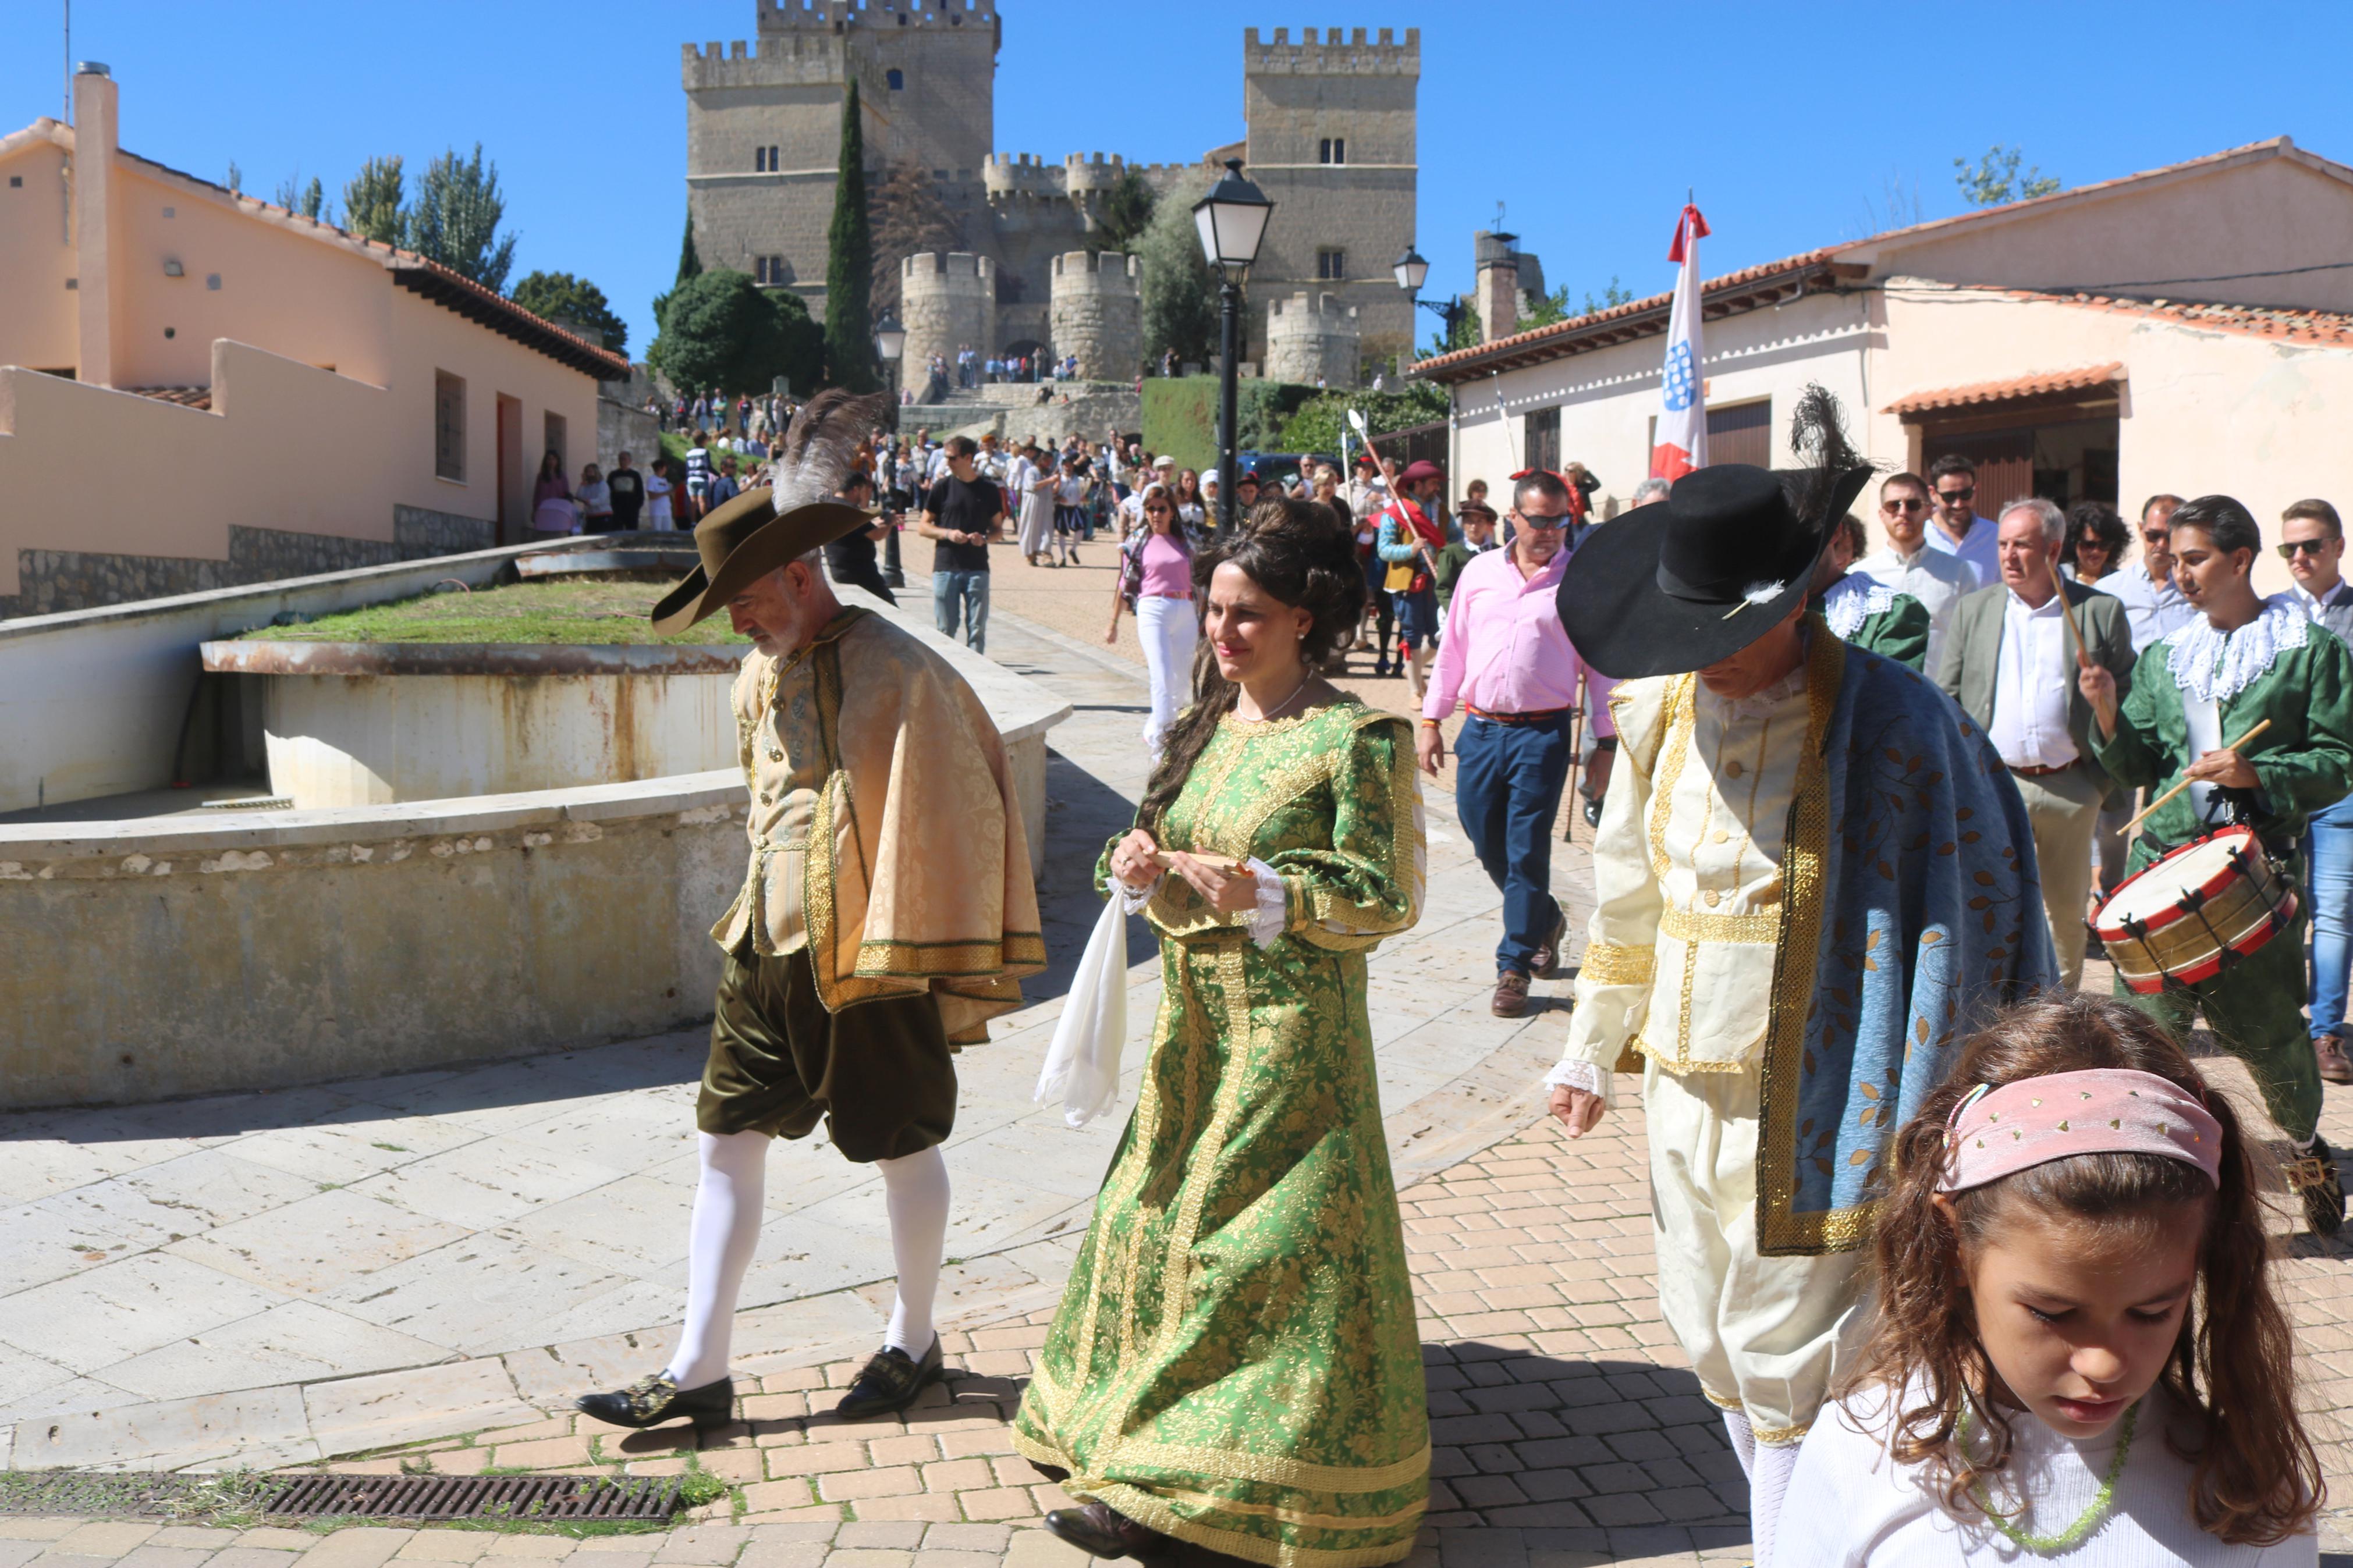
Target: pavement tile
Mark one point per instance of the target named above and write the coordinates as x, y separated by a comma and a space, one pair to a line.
104, 1539
444, 1546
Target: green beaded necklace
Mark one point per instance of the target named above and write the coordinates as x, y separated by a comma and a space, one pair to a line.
2092, 1517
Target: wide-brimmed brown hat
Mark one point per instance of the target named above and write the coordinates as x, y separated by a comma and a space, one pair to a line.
745, 539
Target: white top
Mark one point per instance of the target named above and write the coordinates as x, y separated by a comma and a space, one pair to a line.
2153, 609
1938, 581
1851, 1504
2030, 687
1975, 550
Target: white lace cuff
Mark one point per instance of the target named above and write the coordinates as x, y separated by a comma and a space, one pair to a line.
1589, 1077
1131, 900
1274, 904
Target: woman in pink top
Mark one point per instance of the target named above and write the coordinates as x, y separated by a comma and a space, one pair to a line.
1156, 580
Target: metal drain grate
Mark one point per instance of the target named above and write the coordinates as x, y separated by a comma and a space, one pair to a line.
475, 1497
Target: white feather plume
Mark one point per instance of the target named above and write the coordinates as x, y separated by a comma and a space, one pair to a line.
821, 445
1763, 594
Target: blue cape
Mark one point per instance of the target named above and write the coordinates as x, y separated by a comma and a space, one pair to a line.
1911, 913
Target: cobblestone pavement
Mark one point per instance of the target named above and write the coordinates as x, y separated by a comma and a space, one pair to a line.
1567, 1429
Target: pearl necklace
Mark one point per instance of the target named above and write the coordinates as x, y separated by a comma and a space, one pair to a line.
2089, 1521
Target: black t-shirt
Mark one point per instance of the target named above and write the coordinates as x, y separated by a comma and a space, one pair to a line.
628, 488
964, 509
851, 558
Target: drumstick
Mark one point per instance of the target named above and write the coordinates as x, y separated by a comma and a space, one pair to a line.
2185, 783
2066, 609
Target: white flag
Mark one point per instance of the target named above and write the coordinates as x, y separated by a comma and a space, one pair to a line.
1682, 444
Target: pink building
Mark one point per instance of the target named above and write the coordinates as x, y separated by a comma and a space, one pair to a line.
198, 389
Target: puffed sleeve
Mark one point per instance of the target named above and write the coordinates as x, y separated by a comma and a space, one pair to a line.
1614, 983
1369, 883
2301, 779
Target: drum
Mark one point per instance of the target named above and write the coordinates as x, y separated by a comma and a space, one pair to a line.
2201, 907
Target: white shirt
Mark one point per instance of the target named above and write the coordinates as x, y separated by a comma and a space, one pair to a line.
2153, 611
1976, 550
1851, 1503
2030, 687
1938, 581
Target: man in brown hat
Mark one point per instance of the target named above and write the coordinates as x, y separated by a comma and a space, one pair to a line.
875, 932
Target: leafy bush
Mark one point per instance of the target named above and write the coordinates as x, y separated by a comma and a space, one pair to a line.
724, 332
1316, 426
1180, 416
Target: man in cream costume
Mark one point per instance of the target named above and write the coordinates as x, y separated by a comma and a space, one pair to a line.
1813, 877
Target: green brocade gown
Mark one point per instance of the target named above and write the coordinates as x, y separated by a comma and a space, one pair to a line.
1236, 1361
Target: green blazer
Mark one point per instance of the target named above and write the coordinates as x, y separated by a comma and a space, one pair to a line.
1972, 655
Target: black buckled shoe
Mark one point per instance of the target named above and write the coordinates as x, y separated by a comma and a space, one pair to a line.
2315, 1177
890, 1382
1100, 1530
652, 1401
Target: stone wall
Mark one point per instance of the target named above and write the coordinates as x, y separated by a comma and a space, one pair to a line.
944, 302
1311, 339
1097, 313
54, 581
623, 428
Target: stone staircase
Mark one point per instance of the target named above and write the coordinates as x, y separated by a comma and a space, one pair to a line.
1011, 410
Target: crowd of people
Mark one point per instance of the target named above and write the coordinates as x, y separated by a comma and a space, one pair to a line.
1975, 1265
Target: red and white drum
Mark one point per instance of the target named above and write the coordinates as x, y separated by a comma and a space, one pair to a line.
2181, 917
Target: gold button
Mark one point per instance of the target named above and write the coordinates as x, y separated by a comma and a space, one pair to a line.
1713, 897
1733, 769
1721, 837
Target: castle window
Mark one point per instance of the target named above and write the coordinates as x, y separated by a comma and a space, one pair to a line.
1331, 150
1331, 266
897, 78
759, 159
768, 270
772, 164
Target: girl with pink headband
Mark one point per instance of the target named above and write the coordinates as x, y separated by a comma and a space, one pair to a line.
2078, 1355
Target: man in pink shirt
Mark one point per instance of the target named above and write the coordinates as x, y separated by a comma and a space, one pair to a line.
1506, 657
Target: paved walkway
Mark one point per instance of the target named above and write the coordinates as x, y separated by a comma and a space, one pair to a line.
1567, 1429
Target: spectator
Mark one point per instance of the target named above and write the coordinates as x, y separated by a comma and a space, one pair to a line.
1909, 567
2096, 541
723, 487
698, 476
2011, 665
553, 509
1654, 489
1246, 493
659, 490
962, 513
1155, 580
1478, 538
1367, 499
1069, 490
1959, 531
851, 558
1408, 545
1032, 496
1191, 510
2147, 586
1506, 657
2312, 540
1327, 487
628, 488
595, 499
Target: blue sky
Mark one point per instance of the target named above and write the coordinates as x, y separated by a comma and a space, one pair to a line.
1587, 121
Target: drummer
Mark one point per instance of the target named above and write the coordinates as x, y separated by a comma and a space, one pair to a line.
2244, 660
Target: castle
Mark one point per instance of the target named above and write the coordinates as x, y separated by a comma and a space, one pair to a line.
1329, 136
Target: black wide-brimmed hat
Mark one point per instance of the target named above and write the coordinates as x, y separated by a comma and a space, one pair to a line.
1683, 583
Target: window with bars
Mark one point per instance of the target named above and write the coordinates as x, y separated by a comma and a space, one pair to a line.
1331, 266
1331, 150
449, 426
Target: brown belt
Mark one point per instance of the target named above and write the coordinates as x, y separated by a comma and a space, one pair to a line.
2038, 772
1545, 716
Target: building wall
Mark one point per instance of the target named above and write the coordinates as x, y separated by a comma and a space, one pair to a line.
37, 257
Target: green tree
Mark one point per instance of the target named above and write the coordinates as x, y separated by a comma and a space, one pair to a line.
1316, 426
850, 261
456, 219
374, 200
723, 332
689, 265
561, 297
1180, 290
1994, 179
1127, 209
1465, 334
236, 178
304, 201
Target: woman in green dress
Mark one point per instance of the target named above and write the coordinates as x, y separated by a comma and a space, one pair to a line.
1236, 1363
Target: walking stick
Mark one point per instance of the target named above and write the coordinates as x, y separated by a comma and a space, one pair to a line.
1576, 755
2185, 783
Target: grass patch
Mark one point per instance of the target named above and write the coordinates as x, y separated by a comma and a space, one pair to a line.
699, 1485
593, 610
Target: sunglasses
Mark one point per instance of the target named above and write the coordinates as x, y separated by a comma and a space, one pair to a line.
2307, 546
1913, 504
1968, 493
2156, 536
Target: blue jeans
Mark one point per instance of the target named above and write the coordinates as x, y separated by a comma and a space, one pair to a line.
1508, 784
966, 592
2329, 854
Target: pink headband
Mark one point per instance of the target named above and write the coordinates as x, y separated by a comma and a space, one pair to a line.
1995, 1132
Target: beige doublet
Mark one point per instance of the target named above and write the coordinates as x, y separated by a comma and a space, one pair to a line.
1679, 967
784, 764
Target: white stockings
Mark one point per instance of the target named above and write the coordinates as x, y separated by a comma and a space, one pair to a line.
1768, 1485
725, 1232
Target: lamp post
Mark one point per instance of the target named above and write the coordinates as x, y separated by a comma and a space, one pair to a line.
1232, 221
890, 342
1411, 271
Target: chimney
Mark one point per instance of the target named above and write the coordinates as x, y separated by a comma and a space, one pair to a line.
1497, 293
93, 208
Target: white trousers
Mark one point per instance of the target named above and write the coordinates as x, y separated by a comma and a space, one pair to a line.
1168, 631
1766, 1335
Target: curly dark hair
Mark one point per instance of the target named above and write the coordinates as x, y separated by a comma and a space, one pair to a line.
2102, 524
2256, 1479
1301, 552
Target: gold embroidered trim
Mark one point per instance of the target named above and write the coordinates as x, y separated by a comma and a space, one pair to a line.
1805, 862
1304, 1518
1682, 714
1149, 1511
1681, 1066
1720, 1401
1780, 1436
1205, 1157
1695, 926
1608, 964
1271, 1469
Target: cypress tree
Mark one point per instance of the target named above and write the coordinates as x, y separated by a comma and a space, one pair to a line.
689, 264
850, 261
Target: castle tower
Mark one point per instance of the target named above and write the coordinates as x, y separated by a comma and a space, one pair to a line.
1097, 314
946, 302
1311, 338
1331, 142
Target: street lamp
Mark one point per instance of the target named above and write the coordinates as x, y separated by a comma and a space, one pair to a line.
1411, 271
1232, 221
890, 342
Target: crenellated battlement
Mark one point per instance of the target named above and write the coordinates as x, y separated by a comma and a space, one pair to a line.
839, 15
957, 271
1096, 272
1333, 56
805, 59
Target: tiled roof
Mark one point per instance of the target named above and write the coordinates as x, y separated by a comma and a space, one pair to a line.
2044, 384
1638, 318
2332, 329
186, 397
